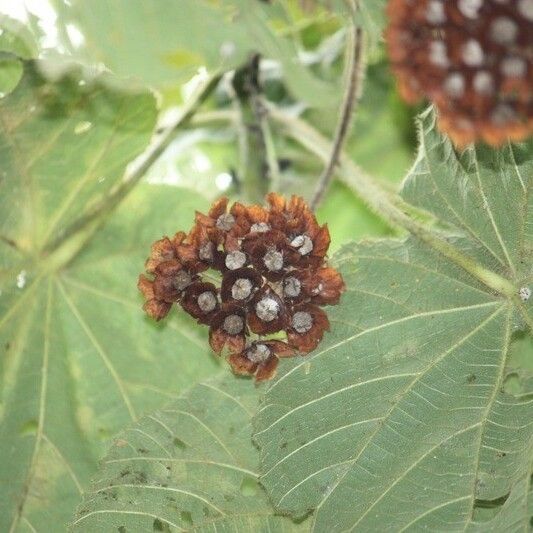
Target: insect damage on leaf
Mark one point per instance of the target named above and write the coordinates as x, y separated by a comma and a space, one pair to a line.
472, 59
275, 279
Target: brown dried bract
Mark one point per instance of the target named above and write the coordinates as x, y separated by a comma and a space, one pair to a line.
272, 262
472, 58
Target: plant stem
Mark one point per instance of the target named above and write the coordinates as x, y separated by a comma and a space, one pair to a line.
355, 72
138, 169
270, 149
254, 163
381, 203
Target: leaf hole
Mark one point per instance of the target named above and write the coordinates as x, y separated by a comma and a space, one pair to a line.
29, 428
179, 443
186, 517
248, 486
159, 525
104, 434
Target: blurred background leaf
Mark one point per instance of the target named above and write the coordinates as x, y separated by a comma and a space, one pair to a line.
79, 358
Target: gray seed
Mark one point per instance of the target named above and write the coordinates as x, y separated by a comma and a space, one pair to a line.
267, 309
260, 227
206, 252
483, 82
472, 53
258, 353
438, 54
225, 222
454, 85
207, 301
292, 287
182, 280
273, 260
235, 260
514, 67
233, 324
303, 243
435, 13
302, 321
318, 289
241, 289
525, 7
503, 30
470, 8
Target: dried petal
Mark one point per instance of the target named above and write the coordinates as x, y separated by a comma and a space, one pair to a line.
260, 358
323, 286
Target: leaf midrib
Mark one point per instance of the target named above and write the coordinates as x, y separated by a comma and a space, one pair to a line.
392, 409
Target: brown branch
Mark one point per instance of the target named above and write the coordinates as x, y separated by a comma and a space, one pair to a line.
348, 108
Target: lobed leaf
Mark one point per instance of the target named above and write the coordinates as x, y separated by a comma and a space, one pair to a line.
401, 417
78, 360
482, 192
64, 146
188, 467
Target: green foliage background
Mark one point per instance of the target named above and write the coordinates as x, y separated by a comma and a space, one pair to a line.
415, 413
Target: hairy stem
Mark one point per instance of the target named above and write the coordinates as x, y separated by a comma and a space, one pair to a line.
246, 85
270, 149
355, 72
381, 203
139, 168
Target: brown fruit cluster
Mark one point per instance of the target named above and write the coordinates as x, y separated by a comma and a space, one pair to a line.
274, 280
472, 58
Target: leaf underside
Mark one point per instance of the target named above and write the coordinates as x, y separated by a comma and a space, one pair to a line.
401, 417
188, 467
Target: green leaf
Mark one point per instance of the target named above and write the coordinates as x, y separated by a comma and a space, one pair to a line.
189, 466
482, 192
511, 517
372, 14
64, 146
174, 44
401, 416
16, 42
79, 359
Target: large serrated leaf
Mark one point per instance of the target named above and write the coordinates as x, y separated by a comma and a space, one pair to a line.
401, 417
188, 467
481, 191
78, 358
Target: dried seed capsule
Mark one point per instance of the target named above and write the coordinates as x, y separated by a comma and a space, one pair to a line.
260, 358
240, 284
472, 59
273, 275
306, 327
200, 300
267, 312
